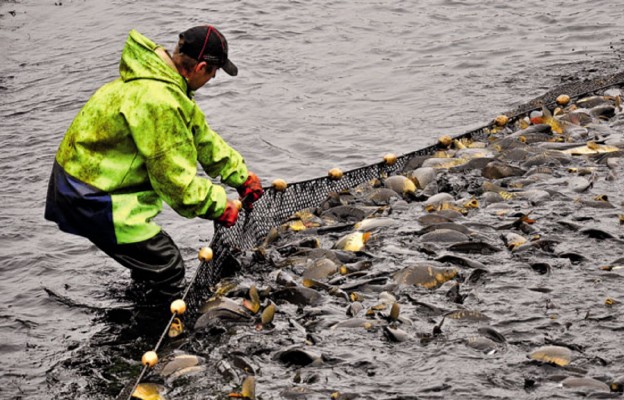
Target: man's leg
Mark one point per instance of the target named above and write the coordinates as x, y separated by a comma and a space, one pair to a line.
157, 262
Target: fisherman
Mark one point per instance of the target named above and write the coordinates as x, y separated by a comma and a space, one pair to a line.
137, 142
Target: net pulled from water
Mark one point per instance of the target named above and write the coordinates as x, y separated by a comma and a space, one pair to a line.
277, 205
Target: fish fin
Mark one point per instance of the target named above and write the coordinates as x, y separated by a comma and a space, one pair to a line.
506, 195
248, 389
251, 306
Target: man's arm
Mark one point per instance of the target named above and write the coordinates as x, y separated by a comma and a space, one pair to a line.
167, 145
215, 155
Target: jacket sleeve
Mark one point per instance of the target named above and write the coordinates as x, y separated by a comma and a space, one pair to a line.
166, 143
215, 155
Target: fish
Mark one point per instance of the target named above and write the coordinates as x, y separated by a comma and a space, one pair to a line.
283, 278
513, 240
185, 372
446, 225
591, 148
359, 266
483, 345
298, 295
467, 315
400, 184
395, 310
320, 269
176, 328
395, 334
475, 163
299, 356
475, 153
438, 199
180, 362
577, 117
498, 170
579, 184
253, 304
354, 308
248, 389
476, 247
549, 157
272, 236
603, 111
444, 163
445, 207
268, 314
591, 101
427, 274
354, 241
344, 213
590, 384
557, 355
293, 247
369, 224
423, 176
444, 236
383, 196
548, 119
148, 391
357, 323
221, 315
464, 262
431, 220
492, 334
308, 217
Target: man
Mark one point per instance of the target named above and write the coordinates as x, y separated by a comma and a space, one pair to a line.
137, 142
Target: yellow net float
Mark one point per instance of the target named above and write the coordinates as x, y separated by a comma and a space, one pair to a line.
280, 185
205, 254
178, 307
445, 141
335, 174
150, 358
390, 159
501, 120
563, 99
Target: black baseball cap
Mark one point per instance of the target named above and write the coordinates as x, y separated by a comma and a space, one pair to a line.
206, 43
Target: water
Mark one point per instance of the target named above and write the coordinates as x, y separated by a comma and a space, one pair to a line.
321, 84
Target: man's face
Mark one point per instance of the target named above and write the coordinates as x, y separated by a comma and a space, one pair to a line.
201, 74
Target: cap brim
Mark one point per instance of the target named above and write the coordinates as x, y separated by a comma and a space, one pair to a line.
230, 68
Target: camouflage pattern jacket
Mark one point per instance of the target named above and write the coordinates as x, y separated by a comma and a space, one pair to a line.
137, 142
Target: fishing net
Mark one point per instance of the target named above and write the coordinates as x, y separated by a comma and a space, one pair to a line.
273, 209
276, 206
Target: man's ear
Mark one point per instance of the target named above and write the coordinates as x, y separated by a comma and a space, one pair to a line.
201, 65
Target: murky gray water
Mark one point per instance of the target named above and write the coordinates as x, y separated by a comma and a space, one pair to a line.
321, 84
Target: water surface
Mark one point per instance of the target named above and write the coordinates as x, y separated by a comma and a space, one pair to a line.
321, 84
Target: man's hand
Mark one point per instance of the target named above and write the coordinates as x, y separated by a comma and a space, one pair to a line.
250, 191
229, 216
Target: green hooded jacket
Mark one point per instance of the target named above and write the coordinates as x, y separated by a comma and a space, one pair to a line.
139, 139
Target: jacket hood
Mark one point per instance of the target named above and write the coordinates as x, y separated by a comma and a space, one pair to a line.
139, 60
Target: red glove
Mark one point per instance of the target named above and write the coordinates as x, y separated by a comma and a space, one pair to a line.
229, 216
250, 191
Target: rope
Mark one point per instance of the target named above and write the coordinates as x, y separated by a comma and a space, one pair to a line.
164, 333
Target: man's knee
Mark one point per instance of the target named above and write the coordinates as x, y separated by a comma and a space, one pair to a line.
156, 261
